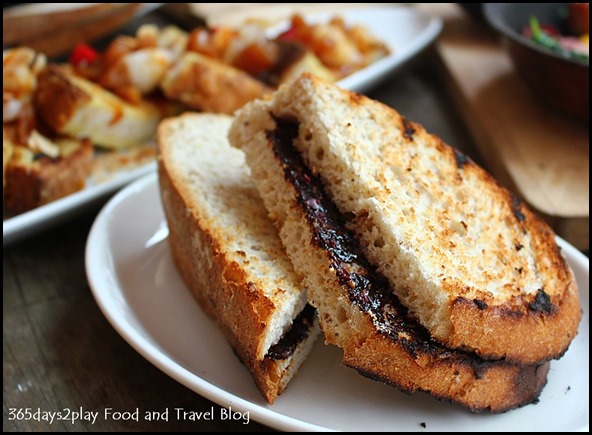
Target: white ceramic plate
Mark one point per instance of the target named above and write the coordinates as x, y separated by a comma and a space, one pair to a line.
135, 283
405, 31
41, 218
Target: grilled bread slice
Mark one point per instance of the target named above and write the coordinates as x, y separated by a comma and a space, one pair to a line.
209, 85
357, 308
74, 106
478, 269
228, 252
33, 178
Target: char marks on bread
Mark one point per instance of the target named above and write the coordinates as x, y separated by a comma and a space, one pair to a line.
478, 269
288, 139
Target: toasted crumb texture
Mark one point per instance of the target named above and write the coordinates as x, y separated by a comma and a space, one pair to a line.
225, 247
469, 259
378, 337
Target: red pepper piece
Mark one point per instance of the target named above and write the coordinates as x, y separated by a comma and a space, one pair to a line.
83, 54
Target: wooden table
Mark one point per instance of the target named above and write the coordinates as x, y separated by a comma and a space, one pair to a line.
60, 353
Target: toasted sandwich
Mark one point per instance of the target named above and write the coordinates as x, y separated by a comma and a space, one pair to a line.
341, 176
228, 252
470, 260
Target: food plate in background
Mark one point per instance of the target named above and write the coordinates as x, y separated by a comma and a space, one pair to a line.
137, 287
404, 30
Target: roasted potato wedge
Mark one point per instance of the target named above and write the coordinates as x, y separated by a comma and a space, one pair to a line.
76, 107
209, 85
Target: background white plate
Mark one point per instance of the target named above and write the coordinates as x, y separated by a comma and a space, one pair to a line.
135, 283
404, 30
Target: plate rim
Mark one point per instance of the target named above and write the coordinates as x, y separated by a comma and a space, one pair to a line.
21, 225
95, 248
398, 56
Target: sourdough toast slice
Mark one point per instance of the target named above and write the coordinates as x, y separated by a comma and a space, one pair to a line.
208, 85
470, 260
357, 308
228, 252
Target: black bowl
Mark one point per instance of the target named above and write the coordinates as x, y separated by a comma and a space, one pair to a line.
562, 83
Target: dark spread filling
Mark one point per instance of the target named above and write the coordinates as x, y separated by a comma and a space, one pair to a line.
365, 286
294, 336
480, 304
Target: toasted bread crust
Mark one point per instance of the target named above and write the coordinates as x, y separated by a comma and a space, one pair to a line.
221, 286
540, 326
378, 338
497, 388
471, 261
218, 291
209, 85
227, 292
32, 182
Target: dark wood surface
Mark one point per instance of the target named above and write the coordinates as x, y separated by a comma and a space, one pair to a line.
61, 354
